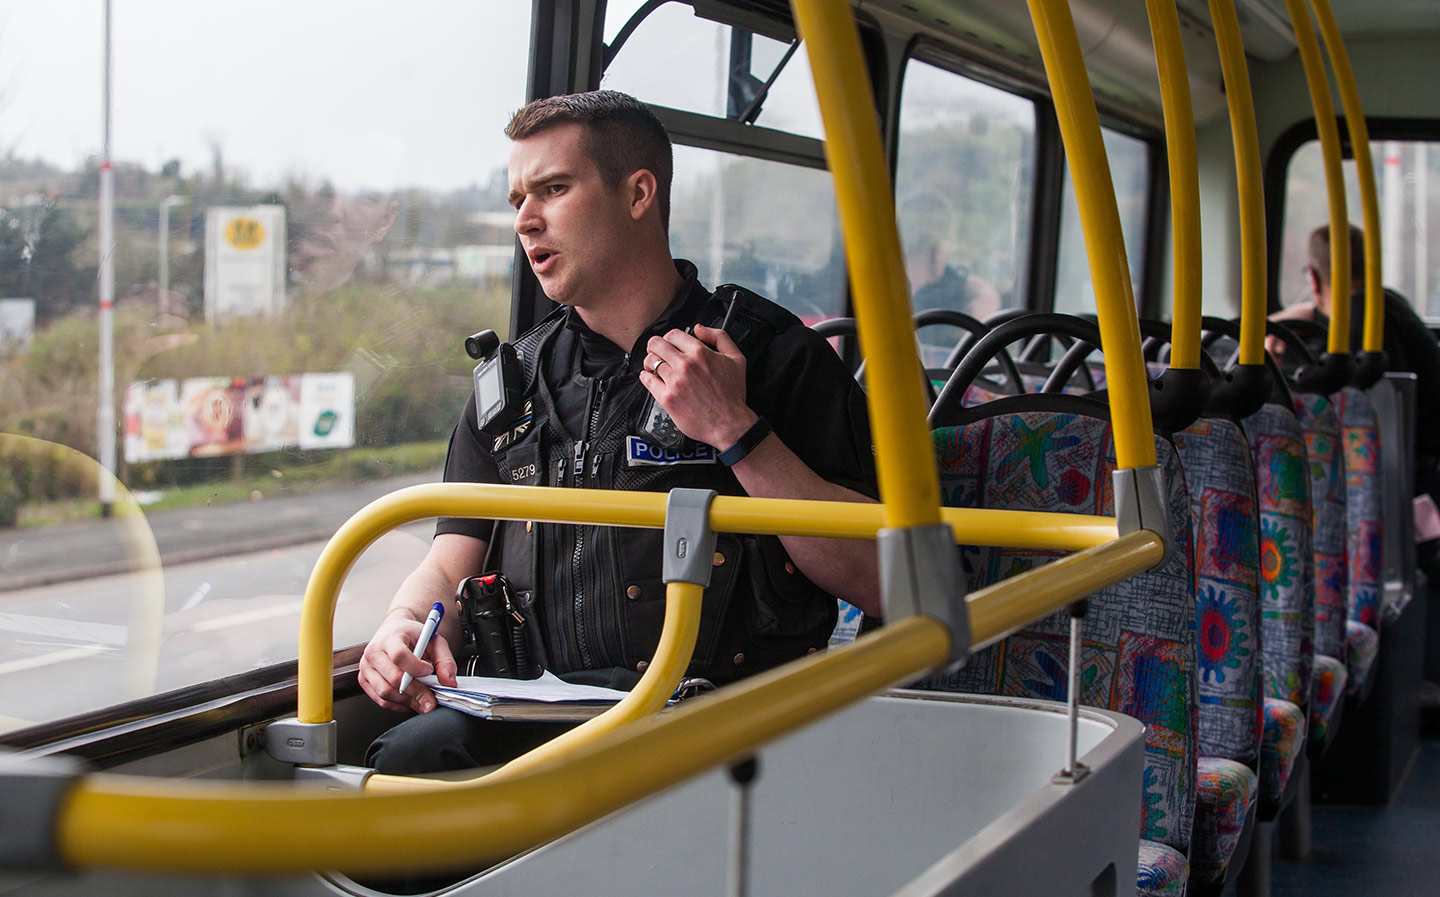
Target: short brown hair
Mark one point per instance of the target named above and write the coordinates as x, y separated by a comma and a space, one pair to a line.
1320, 254
621, 135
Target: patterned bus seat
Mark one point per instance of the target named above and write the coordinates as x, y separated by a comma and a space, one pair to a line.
1321, 424
1365, 527
1139, 636
1287, 588
1221, 480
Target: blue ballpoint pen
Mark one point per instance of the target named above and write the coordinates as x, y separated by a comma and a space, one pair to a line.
431, 622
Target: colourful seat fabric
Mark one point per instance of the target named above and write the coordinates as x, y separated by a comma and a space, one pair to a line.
1162, 869
1321, 424
1330, 680
1139, 636
1284, 740
1221, 481
1362, 646
1287, 560
1225, 792
1365, 524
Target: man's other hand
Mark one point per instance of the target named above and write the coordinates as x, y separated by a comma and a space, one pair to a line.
700, 381
391, 654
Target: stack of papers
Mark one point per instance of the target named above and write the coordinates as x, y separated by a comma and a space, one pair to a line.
546, 698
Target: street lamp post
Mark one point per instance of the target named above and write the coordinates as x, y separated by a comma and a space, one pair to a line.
165, 206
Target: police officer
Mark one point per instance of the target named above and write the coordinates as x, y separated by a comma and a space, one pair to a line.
766, 407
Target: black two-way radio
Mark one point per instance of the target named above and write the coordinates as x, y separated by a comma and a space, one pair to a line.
499, 386
657, 426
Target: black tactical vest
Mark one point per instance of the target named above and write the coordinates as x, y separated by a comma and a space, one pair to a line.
597, 590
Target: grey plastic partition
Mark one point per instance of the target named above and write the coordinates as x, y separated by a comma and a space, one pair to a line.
913, 793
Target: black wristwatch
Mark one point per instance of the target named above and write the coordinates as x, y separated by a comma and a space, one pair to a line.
746, 443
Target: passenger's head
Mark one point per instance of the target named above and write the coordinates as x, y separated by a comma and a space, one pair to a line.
1317, 272
927, 225
620, 135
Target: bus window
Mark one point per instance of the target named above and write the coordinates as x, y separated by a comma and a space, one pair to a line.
677, 59
964, 187
768, 226
1404, 171
1130, 170
329, 181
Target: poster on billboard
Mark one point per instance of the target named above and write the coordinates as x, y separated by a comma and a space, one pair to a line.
154, 422
327, 411
212, 408
272, 413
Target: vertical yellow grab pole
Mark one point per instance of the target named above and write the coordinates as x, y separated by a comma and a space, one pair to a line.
1104, 241
909, 485
1329, 133
1246, 140
1365, 168
1184, 182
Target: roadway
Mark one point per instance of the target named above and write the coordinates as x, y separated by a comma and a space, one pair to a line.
226, 600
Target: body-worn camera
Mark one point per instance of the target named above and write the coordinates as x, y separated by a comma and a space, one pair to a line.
497, 634
498, 381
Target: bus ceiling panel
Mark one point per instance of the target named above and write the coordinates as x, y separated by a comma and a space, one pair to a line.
1264, 25
709, 132
1115, 39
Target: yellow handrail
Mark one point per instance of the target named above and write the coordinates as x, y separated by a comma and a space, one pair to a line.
767, 516
1374, 338
125, 822
904, 458
1104, 240
1329, 132
1184, 182
1246, 140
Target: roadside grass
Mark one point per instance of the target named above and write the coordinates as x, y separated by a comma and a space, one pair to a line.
331, 468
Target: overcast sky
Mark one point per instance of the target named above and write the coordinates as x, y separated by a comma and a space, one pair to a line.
369, 94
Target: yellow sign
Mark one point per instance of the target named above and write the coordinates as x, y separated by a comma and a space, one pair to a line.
245, 233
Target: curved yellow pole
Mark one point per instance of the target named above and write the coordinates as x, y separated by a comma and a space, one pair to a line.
1329, 132
767, 516
1246, 141
1374, 339
1104, 241
648, 697
147, 607
1184, 182
905, 459
126, 822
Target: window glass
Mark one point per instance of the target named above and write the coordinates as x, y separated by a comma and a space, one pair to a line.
677, 59
1405, 172
768, 226
964, 187
310, 215
1130, 171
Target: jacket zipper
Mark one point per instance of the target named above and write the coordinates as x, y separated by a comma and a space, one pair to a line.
582, 479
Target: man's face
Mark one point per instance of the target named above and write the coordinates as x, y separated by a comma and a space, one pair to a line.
573, 227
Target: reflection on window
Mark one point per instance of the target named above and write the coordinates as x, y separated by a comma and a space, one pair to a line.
765, 225
680, 60
1130, 170
1404, 171
310, 215
964, 187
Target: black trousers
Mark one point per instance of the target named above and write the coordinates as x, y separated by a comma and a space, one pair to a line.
446, 740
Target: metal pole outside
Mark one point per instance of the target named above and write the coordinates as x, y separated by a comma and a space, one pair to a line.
105, 415
164, 278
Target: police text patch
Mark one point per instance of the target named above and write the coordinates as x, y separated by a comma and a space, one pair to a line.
640, 453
